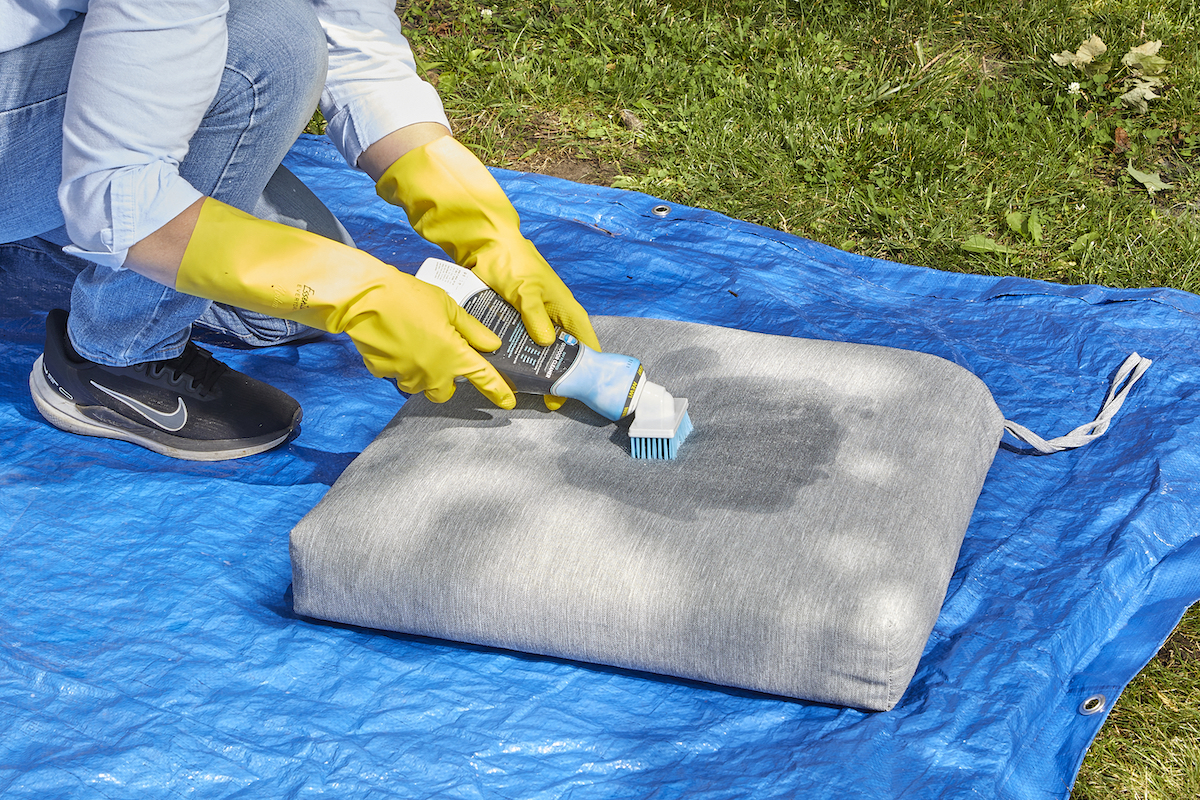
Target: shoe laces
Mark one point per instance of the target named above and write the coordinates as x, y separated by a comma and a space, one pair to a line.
195, 368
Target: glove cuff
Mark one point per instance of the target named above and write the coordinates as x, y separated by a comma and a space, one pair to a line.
238, 259
451, 198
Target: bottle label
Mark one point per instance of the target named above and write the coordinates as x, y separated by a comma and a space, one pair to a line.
528, 366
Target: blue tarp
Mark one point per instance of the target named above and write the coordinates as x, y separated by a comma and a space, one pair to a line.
148, 647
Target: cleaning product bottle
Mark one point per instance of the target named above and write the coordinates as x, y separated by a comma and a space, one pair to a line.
612, 385
608, 383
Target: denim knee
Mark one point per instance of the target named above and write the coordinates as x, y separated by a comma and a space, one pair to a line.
278, 46
274, 73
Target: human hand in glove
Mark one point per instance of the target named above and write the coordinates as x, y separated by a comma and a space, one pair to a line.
405, 329
453, 201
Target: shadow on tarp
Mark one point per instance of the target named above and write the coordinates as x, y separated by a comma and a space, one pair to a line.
147, 647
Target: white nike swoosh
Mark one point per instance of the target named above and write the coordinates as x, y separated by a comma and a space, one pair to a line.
168, 422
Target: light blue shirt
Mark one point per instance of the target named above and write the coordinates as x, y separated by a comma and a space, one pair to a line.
145, 72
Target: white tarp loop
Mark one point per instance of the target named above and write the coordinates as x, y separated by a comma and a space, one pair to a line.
1131, 371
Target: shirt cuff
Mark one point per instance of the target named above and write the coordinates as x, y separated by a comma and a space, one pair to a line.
143, 200
367, 119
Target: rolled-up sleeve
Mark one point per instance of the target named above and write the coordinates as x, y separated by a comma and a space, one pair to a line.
373, 87
144, 74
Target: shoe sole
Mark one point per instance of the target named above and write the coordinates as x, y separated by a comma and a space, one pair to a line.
64, 415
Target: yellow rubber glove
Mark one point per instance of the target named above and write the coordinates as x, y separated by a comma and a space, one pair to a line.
405, 329
453, 201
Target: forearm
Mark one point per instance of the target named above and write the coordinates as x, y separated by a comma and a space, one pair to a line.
376, 159
404, 329
452, 200
158, 255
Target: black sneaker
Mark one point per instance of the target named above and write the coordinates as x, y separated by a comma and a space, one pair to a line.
191, 407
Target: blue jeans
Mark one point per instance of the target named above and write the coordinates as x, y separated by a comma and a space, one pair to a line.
274, 72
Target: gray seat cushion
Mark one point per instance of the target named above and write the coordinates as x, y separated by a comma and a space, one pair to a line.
800, 545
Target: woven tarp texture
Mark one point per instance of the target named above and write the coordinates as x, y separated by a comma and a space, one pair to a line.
149, 648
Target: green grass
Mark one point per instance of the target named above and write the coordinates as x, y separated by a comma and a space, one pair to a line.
899, 133
934, 133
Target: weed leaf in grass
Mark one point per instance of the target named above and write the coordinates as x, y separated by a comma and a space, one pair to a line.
1151, 180
1083, 242
982, 244
1015, 220
1033, 227
1027, 225
1084, 58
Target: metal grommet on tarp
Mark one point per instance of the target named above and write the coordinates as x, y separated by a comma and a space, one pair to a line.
1093, 705
660, 210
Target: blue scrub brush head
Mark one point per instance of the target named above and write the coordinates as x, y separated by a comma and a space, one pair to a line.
660, 423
